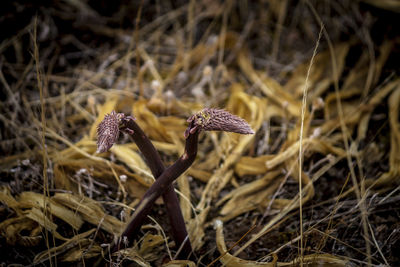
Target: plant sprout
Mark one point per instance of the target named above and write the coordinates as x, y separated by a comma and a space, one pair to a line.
208, 119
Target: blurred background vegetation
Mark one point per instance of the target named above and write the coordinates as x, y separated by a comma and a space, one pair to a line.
317, 80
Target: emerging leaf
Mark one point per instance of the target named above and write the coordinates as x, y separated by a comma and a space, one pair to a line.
211, 119
108, 131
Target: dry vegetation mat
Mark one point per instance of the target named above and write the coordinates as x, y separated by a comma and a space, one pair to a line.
317, 81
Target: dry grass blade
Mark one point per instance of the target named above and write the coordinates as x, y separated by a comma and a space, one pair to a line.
65, 203
394, 159
229, 260
38, 201
270, 87
180, 263
391, 5
38, 216
68, 245
90, 211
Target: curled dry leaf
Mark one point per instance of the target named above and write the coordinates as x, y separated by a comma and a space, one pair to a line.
108, 131
211, 119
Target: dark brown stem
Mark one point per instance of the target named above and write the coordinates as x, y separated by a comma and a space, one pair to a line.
153, 160
162, 183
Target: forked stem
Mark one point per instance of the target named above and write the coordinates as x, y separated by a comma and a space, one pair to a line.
153, 160
161, 184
